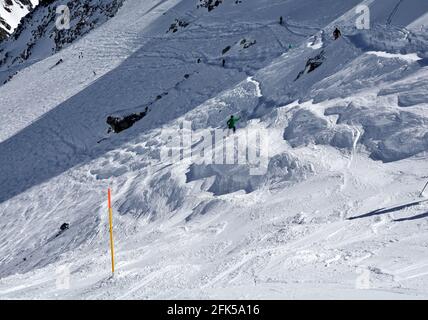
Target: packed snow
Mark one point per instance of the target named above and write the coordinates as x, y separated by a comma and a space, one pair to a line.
333, 210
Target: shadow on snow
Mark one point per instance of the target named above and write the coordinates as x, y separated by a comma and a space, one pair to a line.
387, 210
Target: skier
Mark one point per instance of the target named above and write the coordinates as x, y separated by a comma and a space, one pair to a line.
281, 20
231, 123
223, 62
337, 34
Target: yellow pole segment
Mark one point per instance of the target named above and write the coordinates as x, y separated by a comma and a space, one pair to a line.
110, 211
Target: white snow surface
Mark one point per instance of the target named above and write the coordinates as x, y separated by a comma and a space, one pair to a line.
14, 14
337, 214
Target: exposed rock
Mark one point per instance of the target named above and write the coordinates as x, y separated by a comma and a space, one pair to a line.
209, 4
39, 28
312, 64
177, 25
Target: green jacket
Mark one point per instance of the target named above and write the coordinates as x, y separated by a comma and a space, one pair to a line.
232, 122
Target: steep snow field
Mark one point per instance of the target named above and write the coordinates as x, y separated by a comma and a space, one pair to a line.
336, 214
12, 11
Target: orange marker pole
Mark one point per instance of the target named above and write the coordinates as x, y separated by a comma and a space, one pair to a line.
110, 215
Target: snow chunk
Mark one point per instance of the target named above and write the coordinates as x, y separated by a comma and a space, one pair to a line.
410, 57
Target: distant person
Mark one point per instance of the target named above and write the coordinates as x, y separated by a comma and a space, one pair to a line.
223, 63
281, 20
56, 64
231, 123
337, 34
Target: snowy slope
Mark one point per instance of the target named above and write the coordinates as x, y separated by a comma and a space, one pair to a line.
338, 203
38, 36
11, 13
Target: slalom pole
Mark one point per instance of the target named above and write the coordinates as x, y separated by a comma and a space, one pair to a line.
110, 216
426, 184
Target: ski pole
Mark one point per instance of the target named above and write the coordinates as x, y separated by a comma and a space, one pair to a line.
110, 215
426, 184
